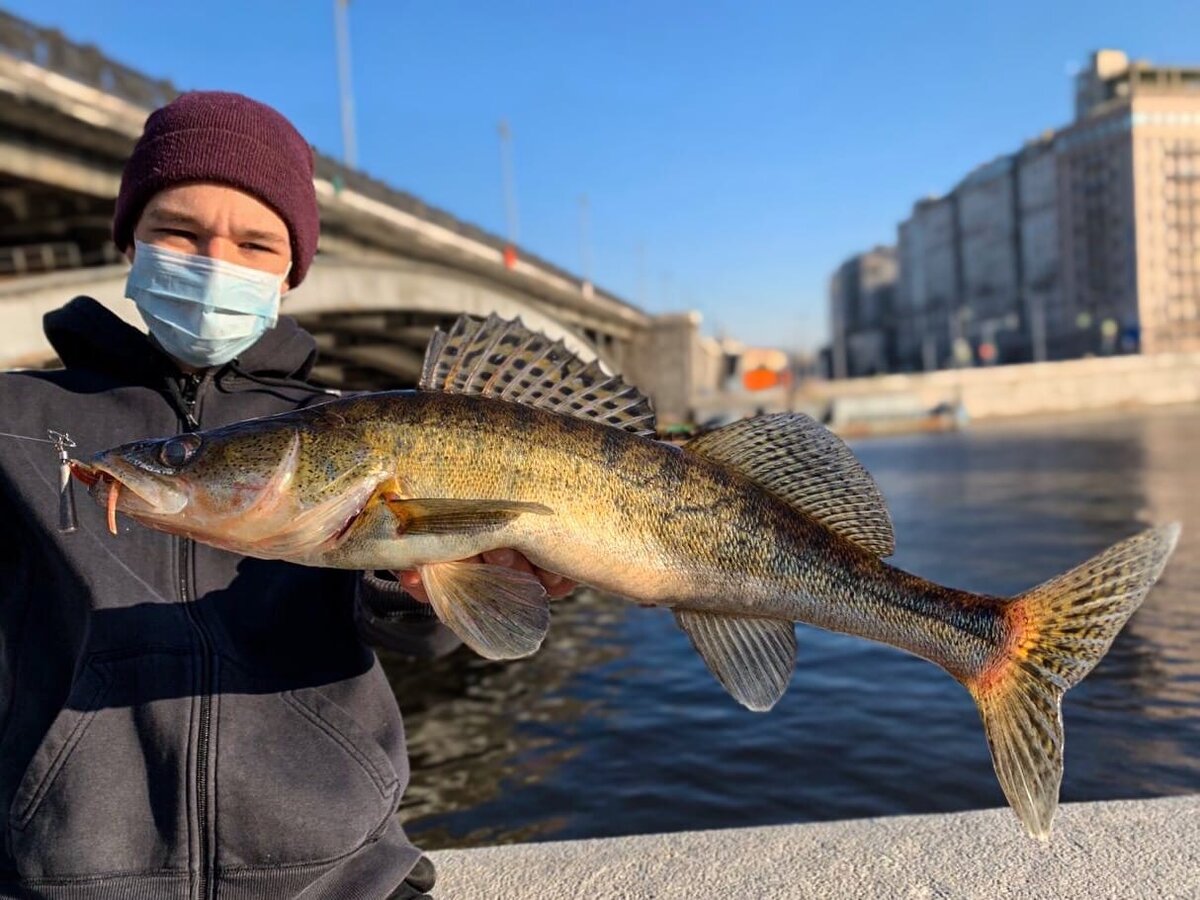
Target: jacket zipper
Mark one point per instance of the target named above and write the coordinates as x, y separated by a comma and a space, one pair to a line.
191, 395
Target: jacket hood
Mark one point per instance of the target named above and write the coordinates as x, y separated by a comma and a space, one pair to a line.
87, 335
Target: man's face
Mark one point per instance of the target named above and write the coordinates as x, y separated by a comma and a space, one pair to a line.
217, 221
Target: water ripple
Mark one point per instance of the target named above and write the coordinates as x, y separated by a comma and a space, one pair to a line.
615, 726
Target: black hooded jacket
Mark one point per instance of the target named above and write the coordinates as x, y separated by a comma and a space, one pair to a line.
179, 721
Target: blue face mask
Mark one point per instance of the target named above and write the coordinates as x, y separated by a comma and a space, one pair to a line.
202, 311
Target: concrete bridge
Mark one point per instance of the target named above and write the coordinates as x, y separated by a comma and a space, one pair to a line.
371, 319
389, 267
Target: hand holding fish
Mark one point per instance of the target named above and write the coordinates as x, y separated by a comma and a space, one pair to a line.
556, 585
514, 445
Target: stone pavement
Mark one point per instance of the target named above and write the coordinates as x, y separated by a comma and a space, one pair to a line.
1119, 849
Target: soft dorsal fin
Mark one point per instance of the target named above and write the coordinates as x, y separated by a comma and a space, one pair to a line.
803, 463
504, 360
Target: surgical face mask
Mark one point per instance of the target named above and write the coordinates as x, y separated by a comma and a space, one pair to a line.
202, 311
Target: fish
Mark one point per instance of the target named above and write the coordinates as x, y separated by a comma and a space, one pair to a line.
511, 441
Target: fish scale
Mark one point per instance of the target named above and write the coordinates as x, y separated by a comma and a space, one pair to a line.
513, 442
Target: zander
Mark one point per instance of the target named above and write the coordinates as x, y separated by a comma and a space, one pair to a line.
513, 442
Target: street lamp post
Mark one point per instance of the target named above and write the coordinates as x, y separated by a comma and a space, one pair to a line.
342, 26
510, 183
585, 242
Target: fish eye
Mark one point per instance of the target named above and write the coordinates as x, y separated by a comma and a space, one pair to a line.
177, 451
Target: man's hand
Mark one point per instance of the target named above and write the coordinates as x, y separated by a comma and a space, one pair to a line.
556, 585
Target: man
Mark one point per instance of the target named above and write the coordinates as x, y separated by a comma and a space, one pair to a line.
177, 721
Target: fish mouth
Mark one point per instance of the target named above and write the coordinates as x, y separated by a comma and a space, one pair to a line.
121, 487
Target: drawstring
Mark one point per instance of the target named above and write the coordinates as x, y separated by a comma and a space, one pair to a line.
181, 405
279, 382
185, 411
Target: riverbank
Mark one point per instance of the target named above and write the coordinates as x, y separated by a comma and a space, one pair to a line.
1068, 386
1117, 849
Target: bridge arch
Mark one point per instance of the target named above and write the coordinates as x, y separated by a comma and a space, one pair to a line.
371, 320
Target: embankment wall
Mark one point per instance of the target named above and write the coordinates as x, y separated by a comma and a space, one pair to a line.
1031, 389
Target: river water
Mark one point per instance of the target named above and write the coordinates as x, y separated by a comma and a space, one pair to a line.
616, 727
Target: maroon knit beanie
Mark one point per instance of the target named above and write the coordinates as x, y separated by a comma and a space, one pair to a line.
229, 139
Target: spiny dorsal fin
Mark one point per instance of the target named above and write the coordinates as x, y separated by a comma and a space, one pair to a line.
504, 360
803, 463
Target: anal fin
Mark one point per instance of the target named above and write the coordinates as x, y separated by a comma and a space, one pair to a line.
498, 612
752, 657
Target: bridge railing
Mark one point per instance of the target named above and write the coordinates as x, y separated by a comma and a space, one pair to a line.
50, 49
361, 183
53, 256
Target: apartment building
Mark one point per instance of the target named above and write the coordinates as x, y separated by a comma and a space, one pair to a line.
1084, 241
861, 309
991, 305
929, 288
1040, 277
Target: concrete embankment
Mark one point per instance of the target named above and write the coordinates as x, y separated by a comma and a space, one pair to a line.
1020, 390
1119, 849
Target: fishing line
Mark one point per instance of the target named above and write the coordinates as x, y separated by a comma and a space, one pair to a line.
67, 521
101, 546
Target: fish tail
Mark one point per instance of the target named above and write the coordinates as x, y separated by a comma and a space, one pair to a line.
1056, 633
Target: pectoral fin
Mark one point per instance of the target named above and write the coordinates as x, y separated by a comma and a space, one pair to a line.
434, 515
751, 657
498, 612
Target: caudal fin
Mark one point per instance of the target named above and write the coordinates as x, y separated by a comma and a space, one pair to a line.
1058, 631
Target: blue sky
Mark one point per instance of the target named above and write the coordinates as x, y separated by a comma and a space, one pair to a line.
746, 148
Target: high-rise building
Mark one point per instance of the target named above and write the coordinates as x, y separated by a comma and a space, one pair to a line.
908, 326
1085, 241
862, 298
930, 286
991, 265
1040, 281
1129, 173
1148, 117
